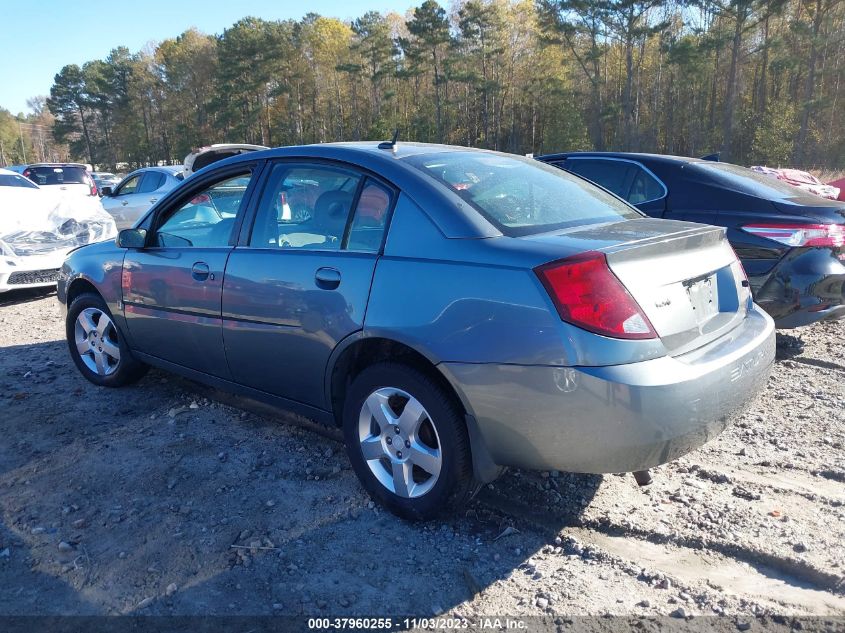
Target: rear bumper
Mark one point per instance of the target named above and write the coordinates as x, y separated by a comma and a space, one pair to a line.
806, 286
619, 418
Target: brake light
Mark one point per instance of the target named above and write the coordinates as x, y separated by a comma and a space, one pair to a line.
800, 234
586, 293
92, 186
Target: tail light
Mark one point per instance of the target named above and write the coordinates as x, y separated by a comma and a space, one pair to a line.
800, 234
586, 293
92, 186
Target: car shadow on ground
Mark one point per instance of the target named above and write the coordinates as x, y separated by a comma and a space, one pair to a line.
183, 504
27, 295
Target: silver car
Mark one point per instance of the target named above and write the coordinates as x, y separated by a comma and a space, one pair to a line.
455, 311
139, 191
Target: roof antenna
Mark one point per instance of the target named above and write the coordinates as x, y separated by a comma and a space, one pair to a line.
391, 144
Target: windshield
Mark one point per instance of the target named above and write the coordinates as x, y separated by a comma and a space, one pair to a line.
520, 195
13, 180
64, 175
747, 181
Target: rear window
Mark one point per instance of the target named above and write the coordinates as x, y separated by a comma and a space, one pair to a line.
67, 175
8, 180
744, 180
521, 196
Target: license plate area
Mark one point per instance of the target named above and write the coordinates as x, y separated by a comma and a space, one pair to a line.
703, 297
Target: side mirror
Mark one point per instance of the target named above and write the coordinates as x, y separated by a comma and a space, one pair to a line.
106, 191
132, 238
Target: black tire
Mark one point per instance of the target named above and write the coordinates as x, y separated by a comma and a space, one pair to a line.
455, 484
124, 371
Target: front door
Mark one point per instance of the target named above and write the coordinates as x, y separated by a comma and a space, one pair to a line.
172, 287
299, 283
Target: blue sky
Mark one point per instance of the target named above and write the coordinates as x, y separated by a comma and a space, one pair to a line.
36, 44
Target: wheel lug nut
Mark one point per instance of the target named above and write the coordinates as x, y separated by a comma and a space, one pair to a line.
396, 429
399, 454
389, 441
407, 444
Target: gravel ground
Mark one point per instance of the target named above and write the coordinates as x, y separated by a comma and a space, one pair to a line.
170, 498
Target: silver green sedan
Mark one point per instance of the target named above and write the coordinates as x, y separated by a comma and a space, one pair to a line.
455, 311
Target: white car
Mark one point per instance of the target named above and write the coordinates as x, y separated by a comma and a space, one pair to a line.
67, 178
39, 226
204, 156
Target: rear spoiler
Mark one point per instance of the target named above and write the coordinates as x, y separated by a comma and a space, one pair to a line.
712, 157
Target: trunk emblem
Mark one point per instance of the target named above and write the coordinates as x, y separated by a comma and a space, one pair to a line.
662, 303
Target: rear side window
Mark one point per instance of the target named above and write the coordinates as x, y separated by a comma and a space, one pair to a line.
613, 175
152, 180
67, 175
367, 229
644, 188
521, 196
305, 207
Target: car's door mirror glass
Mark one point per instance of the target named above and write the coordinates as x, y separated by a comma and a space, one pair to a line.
305, 207
106, 190
132, 238
207, 218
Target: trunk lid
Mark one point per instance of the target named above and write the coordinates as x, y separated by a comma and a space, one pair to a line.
685, 276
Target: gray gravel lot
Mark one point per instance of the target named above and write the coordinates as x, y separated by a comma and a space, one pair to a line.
169, 498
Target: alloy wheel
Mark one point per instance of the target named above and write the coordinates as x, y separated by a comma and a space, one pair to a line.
96, 341
399, 442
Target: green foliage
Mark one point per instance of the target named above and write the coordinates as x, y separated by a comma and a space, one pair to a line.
514, 75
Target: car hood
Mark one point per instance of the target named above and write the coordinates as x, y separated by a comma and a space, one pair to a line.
35, 222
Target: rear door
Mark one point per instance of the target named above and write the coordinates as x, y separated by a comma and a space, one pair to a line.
172, 287
299, 280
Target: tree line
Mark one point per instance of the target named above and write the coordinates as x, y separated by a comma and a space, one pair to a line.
761, 81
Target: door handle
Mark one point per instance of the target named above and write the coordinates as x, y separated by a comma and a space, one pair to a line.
124, 203
327, 278
200, 271
153, 200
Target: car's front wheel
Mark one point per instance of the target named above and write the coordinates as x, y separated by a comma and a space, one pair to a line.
407, 441
96, 345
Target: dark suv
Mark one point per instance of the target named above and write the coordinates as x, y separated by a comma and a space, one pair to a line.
791, 243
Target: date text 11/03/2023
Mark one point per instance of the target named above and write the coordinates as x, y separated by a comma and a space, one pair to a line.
493, 623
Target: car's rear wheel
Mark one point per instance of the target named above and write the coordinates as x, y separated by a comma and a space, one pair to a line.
407, 441
96, 345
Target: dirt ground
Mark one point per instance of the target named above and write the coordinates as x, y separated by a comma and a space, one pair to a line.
169, 498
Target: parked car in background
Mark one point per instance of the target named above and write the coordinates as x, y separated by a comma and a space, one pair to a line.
104, 179
453, 310
205, 156
802, 179
70, 178
791, 243
140, 190
839, 184
39, 226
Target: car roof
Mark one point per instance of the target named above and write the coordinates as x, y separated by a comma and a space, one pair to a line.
57, 165
167, 169
447, 209
640, 156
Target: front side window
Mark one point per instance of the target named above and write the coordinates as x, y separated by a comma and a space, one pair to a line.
521, 196
207, 219
304, 207
129, 186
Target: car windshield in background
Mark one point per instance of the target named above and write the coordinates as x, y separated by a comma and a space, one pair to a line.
57, 175
747, 181
521, 196
7, 180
